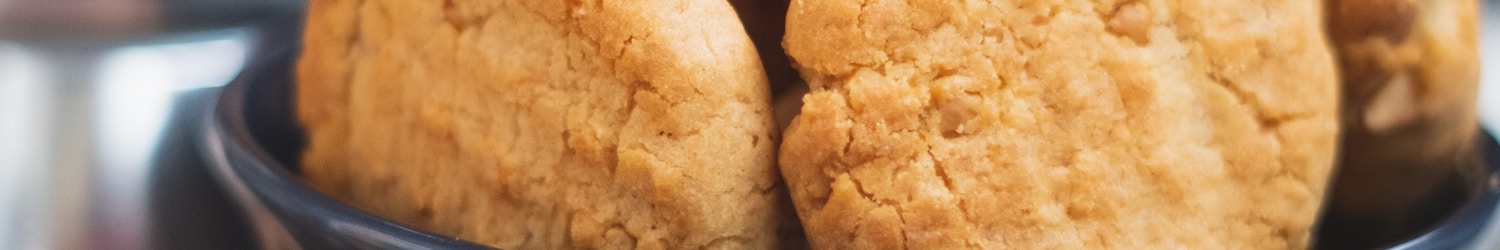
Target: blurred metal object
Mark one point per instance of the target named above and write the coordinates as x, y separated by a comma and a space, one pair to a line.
91, 121
85, 89
1489, 103
110, 22
23, 142
76, 19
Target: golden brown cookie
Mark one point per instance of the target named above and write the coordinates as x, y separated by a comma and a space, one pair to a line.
1060, 124
540, 124
1410, 78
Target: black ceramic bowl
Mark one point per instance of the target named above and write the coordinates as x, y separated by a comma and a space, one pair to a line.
253, 144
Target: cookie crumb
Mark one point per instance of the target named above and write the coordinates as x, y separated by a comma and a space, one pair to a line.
1131, 20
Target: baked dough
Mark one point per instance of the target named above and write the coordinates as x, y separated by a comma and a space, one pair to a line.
540, 124
1410, 73
1148, 124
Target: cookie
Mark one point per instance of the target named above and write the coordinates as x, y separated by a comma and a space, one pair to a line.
538, 124
1060, 124
1410, 75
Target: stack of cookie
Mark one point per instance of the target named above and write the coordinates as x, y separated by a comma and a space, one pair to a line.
538, 124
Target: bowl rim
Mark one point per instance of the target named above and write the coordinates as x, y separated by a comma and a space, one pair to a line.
1463, 225
239, 161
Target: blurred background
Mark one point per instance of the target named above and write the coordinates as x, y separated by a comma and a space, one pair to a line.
96, 103
98, 97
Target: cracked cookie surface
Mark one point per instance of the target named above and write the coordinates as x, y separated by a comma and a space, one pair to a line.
1060, 125
539, 124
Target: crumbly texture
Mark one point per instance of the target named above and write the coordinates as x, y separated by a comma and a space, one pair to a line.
1150, 124
1410, 77
540, 124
